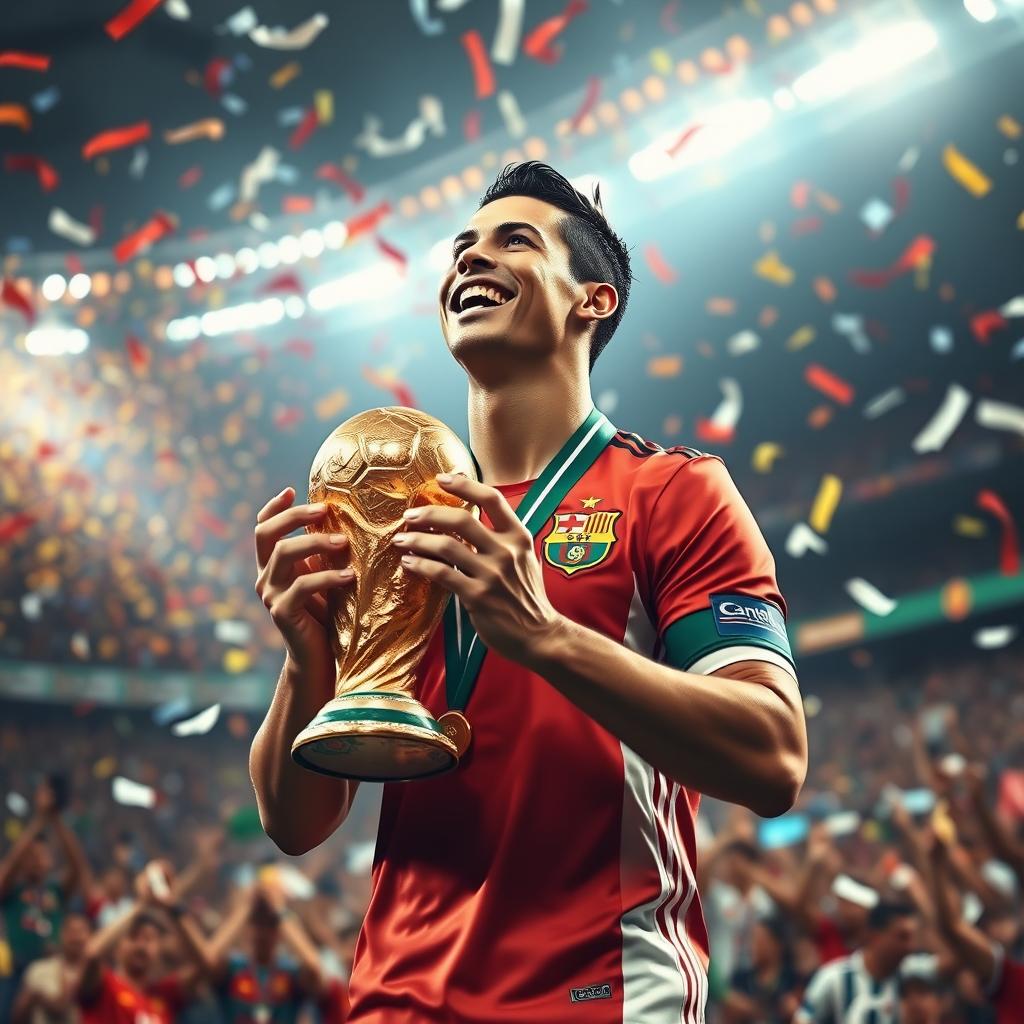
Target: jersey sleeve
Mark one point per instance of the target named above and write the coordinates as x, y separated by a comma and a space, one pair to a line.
710, 573
816, 1007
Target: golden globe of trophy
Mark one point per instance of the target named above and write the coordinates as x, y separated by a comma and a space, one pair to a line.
368, 472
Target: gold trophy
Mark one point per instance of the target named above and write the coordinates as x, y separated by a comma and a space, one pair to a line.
368, 472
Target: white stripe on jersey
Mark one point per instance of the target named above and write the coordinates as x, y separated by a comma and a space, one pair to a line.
842, 992
663, 979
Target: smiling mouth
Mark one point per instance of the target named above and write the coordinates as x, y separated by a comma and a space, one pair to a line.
483, 309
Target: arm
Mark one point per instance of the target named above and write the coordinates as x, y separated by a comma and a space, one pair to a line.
77, 876
1006, 847
299, 809
96, 950
296, 938
207, 844
224, 937
10, 864
737, 735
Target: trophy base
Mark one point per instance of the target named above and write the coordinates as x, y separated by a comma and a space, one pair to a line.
375, 737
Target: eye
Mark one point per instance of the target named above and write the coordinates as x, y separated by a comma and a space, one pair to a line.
459, 248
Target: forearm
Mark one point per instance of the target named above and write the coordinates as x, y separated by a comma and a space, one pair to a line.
300, 944
299, 809
78, 866
10, 864
734, 740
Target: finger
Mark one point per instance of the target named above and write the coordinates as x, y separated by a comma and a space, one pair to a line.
492, 501
286, 604
282, 564
443, 548
445, 575
452, 520
275, 505
271, 530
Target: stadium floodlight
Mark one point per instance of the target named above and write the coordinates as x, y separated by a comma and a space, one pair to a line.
289, 249
56, 341
876, 56
184, 276
186, 328
980, 10
79, 286
439, 256
718, 130
53, 287
312, 243
224, 264
246, 260
268, 255
366, 285
246, 317
294, 307
335, 234
206, 269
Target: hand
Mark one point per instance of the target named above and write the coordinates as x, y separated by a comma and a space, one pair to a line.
498, 580
156, 894
293, 580
208, 842
45, 800
272, 893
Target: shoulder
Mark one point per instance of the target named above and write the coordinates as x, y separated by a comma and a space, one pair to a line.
654, 469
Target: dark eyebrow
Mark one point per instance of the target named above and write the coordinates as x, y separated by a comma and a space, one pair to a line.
472, 235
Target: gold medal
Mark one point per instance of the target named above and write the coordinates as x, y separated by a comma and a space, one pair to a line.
456, 727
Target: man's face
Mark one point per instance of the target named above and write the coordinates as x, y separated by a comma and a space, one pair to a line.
263, 933
920, 1005
74, 934
141, 950
530, 265
38, 862
896, 942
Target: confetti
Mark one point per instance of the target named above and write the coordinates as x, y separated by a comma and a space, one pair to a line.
337, 174
590, 98
830, 490
917, 254
869, 597
177, 9
305, 129
297, 38
882, 403
11, 295
1000, 415
483, 73
946, 419
198, 725
140, 161
138, 355
65, 226
965, 173
258, 173
743, 342
46, 100
421, 15
121, 24
234, 104
1009, 126
211, 128
392, 253
984, 324
801, 539
1009, 546
25, 61
158, 226
505, 45
132, 794
665, 366
852, 327
539, 44
722, 425
877, 215
800, 338
765, 455
991, 638
659, 267
323, 101
941, 340
17, 804
508, 106
688, 133
47, 176
285, 74
771, 268
116, 138
16, 114
241, 23
828, 384
217, 74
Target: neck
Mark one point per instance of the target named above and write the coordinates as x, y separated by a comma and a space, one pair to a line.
874, 966
517, 427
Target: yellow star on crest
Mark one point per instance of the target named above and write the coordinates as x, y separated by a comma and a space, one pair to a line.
590, 502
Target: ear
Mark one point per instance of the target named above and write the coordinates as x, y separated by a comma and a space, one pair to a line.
601, 302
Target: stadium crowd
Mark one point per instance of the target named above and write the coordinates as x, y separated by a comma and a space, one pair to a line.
891, 892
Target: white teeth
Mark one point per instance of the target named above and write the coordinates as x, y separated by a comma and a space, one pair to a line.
477, 289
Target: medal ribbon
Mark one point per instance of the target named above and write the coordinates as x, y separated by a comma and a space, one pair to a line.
560, 475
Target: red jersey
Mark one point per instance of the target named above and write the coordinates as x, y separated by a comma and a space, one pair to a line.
120, 1002
1008, 994
550, 877
830, 941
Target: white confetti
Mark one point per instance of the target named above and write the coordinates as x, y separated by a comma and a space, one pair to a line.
947, 418
432, 114
742, 342
297, 38
506, 37
729, 410
876, 214
802, 539
991, 638
198, 725
909, 158
852, 326
64, 225
1000, 415
260, 171
177, 9
1015, 307
515, 123
140, 161
941, 339
869, 597
242, 22
881, 404
133, 794
17, 804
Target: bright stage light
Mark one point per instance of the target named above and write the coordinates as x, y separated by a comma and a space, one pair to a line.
53, 287
367, 285
247, 260
184, 276
56, 341
246, 317
206, 269
335, 234
439, 257
185, 329
268, 255
294, 307
79, 286
311, 243
224, 264
980, 10
289, 250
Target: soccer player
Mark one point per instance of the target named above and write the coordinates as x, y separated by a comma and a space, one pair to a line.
637, 657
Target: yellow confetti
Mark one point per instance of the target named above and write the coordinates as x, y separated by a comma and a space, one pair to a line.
771, 268
12, 829
283, 75
828, 203
965, 173
104, 767
969, 526
661, 61
721, 306
825, 502
1020, 221
825, 289
323, 100
800, 338
236, 660
665, 366
942, 824
765, 455
1009, 126
330, 405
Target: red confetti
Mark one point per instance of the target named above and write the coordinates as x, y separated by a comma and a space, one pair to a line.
139, 241
25, 61
13, 525
900, 195
190, 177
684, 137
49, 179
391, 252
332, 172
212, 524
11, 296
388, 382
800, 193
301, 348
918, 252
667, 18
1009, 547
73, 263
121, 24
707, 430
46, 450
806, 226
984, 324
366, 221
471, 125
483, 73
662, 271
589, 100
138, 355
828, 384
214, 76
287, 416
116, 138
96, 220
538, 44
286, 282
305, 128
297, 204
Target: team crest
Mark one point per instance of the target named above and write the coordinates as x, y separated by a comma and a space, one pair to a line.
580, 540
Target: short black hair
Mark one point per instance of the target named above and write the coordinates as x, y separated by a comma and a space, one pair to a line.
596, 253
885, 912
144, 919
